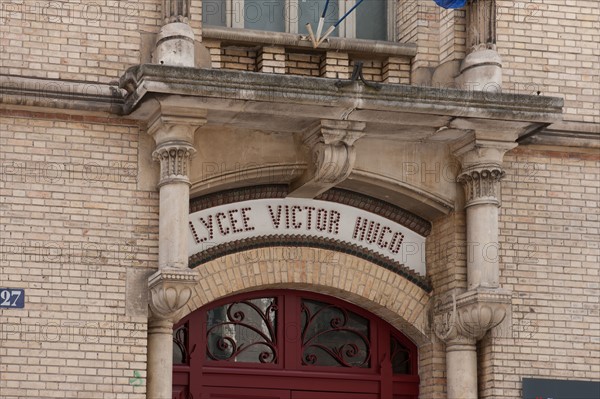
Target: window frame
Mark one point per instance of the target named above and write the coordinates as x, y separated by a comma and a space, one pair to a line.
346, 29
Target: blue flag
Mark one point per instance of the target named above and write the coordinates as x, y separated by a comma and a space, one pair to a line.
451, 3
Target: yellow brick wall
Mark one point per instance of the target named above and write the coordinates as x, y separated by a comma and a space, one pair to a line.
74, 227
553, 48
549, 259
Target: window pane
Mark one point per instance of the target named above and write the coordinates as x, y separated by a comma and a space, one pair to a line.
264, 15
371, 20
400, 357
309, 11
180, 339
214, 12
334, 336
244, 331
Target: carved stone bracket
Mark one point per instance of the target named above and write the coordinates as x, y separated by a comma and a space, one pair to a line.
174, 158
170, 290
464, 319
332, 155
482, 184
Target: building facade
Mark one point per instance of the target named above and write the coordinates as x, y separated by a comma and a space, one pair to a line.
199, 200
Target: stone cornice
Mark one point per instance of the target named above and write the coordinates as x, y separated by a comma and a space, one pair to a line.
565, 134
20, 91
299, 90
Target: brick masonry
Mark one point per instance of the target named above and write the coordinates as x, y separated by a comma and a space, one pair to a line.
74, 227
79, 229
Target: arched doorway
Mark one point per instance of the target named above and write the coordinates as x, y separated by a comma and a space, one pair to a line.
284, 344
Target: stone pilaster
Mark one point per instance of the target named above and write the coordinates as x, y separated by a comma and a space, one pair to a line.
173, 126
481, 173
465, 318
482, 67
330, 156
170, 290
481, 20
460, 322
175, 43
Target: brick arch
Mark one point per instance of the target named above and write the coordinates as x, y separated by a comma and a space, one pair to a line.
382, 292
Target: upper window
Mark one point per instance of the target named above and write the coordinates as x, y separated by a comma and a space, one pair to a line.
368, 21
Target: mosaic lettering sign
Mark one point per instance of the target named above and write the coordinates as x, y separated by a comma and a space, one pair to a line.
305, 217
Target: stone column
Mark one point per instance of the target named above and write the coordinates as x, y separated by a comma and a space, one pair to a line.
175, 44
482, 67
463, 319
460, 322
173, 127
480, 176
170, 290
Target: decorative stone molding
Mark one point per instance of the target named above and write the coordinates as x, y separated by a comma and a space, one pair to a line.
482, 184
170, 290
466, 318
174, 158
332, 155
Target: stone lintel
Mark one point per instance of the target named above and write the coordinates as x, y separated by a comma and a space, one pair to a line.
311, 95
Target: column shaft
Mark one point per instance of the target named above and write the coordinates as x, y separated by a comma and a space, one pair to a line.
461, 369
173, 225
160, 359
482, 238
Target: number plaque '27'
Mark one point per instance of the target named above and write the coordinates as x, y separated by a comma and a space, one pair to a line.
12, 298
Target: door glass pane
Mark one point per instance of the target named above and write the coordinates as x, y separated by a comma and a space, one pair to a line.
310, 11
244, 331
334, 336
264, 15
180, 344
371, 20
400, 357
214, 12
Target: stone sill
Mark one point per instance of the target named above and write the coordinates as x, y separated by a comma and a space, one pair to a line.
372, 48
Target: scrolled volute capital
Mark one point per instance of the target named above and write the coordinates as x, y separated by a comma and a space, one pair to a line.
174, 158
464, 319
170, 290
481, 184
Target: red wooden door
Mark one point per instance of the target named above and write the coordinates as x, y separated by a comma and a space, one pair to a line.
291, 345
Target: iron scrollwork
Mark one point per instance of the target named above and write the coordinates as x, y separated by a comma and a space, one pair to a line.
339, 335
243, 331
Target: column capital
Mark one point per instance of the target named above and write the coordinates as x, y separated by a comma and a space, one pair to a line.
170, 290
172, 118
331, 156
174, 158
479, 149
481, 160
462, 320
